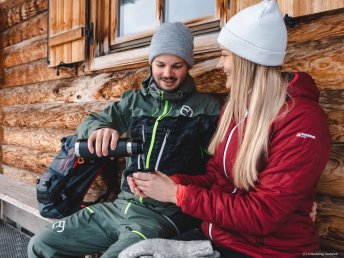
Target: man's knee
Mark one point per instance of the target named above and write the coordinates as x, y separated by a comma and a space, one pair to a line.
39, 244
34, 247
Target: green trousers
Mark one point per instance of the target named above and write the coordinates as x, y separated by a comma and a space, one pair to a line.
105, 227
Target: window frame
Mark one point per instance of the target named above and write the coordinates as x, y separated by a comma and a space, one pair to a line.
134, 48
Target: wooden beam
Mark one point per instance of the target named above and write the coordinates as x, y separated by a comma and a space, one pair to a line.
76, 89
30, 28
24, 52
22, 12
336, 125
317, 27
33, 72
40, 139
321, 58
34, 160
332, 179
330, 223
300, 8
56, 115
65, 37
7, 4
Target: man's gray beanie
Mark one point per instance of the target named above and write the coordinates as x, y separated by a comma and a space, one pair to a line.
174, 39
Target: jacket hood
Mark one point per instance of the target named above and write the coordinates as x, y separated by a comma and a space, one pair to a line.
302, 85
149, 87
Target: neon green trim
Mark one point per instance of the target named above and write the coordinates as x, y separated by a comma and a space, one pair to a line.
154, 133
89, 210
141, 200
127, 208
140, 234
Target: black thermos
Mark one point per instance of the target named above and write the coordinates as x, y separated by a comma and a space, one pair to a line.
125, 147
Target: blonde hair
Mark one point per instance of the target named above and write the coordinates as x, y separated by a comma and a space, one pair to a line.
258, 92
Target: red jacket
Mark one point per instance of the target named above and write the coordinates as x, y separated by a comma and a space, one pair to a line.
273, 219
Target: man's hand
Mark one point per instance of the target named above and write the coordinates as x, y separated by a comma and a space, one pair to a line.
156, 185
103, 137
133, 187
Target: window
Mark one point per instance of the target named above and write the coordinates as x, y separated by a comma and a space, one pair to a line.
124, 27
118, 32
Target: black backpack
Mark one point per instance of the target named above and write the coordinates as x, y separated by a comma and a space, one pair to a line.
64, 184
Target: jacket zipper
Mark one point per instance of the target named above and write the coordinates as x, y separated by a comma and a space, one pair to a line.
161, 150
172, 223
209, 230
227, 144
141, 156
164, 113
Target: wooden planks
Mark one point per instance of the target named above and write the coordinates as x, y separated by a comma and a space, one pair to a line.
40, 139
35, 26
21, 12
305, 7
24, 52
18, 203
293, 8
76, 89
332, 179
330, 223
36, 71
56, 115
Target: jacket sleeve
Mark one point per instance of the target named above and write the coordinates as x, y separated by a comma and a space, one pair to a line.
298, 153
115, 116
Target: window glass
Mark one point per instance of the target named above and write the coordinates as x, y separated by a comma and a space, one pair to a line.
181, 10
136, 16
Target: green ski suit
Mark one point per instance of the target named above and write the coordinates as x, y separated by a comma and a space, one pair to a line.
176, 129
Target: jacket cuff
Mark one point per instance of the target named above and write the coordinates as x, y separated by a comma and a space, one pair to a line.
181, 190
175, 179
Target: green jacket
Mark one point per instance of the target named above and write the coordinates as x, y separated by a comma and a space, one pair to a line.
175, 127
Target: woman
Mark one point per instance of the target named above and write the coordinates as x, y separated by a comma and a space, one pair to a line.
270, 147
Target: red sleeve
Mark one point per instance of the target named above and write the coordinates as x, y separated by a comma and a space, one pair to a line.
293, 169
181, 190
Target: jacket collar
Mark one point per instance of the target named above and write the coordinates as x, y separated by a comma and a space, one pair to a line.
149, 87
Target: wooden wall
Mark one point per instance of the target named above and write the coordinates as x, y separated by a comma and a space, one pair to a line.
37, 107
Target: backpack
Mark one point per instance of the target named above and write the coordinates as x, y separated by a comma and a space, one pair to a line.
63, 185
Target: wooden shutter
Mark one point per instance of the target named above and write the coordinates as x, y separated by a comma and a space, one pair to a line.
67, 38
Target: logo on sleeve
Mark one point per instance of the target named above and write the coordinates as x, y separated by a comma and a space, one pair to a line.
59, 226
186, 111
305, 135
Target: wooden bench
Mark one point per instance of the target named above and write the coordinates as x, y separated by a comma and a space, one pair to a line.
19, 205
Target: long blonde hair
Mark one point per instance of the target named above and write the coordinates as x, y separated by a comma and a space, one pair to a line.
257, 95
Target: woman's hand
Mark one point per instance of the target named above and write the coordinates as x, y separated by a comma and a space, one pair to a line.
155, 185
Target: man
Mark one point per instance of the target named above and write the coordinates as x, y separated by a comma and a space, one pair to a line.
175, 122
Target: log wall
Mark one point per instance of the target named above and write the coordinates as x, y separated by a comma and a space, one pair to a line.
37, 107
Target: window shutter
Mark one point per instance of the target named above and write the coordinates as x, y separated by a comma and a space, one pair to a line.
67, 40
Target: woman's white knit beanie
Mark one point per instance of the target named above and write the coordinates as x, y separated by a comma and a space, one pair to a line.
257, 33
